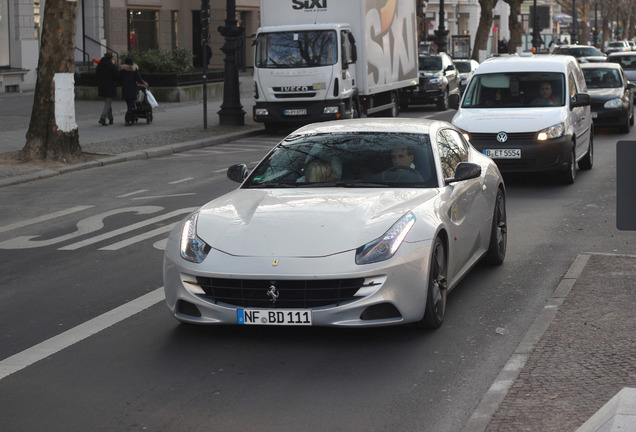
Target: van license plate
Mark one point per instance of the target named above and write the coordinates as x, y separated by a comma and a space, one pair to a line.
295, 112
503, 153
294, 317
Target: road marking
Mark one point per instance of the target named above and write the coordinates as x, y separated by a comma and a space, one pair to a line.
43, 218
64, 340
164, 196
182, 180
129, 228
141, 237
132, 193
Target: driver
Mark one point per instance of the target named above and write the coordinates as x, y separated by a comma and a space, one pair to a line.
403, 156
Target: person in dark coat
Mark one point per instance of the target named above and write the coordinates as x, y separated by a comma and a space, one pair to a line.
129, 77
107, 75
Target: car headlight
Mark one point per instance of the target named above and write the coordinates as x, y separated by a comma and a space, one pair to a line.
613, 103
193, 248
384, 247
554, 131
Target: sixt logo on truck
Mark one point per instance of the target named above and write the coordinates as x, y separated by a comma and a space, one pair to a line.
309, 4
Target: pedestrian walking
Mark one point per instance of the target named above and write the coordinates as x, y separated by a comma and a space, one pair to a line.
129, 77
107, 76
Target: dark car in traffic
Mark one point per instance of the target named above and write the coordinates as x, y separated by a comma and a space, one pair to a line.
583, 53
611, 94
439, 83
466, 67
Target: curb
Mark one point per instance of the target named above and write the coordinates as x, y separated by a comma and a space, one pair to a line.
494, 396
130, 156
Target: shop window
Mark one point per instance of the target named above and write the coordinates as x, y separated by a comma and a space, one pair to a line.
143, 29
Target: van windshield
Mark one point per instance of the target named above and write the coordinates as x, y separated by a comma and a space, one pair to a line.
515, 90
296, 49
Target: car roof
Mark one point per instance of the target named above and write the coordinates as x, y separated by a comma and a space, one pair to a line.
525, 63
374, 125
622, 53
601, 65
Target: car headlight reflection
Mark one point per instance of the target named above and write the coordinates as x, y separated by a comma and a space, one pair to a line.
554, 131
385, 246
613, 103
193, 248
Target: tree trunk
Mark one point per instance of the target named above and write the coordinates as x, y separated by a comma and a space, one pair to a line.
483, 30
52, 133
515, 27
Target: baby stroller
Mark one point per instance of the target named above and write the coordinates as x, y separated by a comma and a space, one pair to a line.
142, 108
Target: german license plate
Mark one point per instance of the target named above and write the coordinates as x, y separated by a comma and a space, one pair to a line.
594, 114
296, 317
503, 153
295, 112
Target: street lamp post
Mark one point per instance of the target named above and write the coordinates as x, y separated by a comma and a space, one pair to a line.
574, 34
231, 112
596, 24
441, 31
536, 32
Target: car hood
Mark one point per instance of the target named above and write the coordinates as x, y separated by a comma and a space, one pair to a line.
430, 74
604, 94
592, 59
485, 120
303, 222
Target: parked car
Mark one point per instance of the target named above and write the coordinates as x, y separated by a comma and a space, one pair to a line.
617, 46
466, 67
632, 45
530, 113
347, 223
439, 83
612, 95
627, 60
583, 53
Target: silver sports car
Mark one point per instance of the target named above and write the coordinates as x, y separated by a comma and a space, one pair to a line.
366, 222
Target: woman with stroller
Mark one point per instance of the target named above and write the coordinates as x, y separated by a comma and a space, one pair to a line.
129, 77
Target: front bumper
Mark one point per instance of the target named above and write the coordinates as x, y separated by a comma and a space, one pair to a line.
536, 156
393, 292
422, 94
609, 117
298, 112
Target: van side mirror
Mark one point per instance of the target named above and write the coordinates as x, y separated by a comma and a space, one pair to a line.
580, 99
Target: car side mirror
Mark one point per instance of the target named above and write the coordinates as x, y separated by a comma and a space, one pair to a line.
631, 85
465, 171
580, 99
237, 173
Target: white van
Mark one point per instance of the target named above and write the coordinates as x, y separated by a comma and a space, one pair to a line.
530, 114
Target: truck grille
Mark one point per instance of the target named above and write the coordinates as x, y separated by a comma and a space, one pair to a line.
291, 293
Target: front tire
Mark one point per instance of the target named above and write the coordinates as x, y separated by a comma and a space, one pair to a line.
437, 287
442, 105
499, 233
568, 175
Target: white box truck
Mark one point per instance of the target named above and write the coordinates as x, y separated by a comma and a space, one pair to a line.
318, 60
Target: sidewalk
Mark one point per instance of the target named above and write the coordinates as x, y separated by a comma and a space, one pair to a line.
580, 352
176, 125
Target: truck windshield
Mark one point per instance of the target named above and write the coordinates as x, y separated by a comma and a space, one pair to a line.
296, 49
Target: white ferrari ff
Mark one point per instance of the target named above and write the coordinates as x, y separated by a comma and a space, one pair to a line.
366, 222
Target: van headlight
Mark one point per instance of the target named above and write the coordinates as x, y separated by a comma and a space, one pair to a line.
554, 131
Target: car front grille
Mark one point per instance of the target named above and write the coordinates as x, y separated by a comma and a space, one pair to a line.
522, 136
291, 293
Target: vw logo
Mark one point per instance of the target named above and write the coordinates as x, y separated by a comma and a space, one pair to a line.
502, 137
272, 293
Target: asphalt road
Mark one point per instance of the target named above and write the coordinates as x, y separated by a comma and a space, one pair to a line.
86, 343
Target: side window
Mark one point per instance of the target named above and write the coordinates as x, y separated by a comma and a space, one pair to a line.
572, 85
452, 150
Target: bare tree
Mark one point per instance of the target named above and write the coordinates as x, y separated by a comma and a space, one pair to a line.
52, 133
483, 29
514, 25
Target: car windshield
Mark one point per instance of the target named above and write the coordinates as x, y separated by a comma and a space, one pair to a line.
515, 90
347, 160
430, 63
579, 52
462, 67
296, 49
616, 44
626, 61
602, 78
